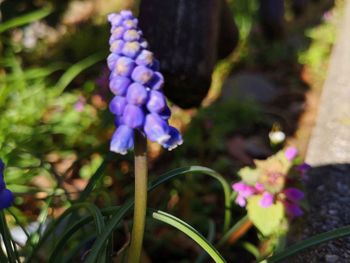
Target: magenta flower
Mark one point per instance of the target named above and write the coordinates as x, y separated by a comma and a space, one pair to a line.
266, 200
291, 153
139, 101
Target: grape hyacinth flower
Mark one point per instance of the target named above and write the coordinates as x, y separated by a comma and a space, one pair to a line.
139, 102
6, 196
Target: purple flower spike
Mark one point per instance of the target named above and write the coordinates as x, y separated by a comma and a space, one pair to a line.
165, 114
118, 85
122, 140
156, 102
156, 129
145, 58
117, 34
304, 167
142, 74
130, 23
137, 94
292, 209
266, 200
133, 116
131, 49
117, 46
136, 81
291, 153
112, 60
131, 35
117, 105
174, 140
6, 196
157, 81
115, 19
293, 194
124, 66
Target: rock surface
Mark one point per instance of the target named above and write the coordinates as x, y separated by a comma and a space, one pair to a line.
328, 184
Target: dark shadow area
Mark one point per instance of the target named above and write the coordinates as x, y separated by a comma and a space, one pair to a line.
328, 201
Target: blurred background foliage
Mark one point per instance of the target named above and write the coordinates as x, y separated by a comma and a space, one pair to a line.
55, 126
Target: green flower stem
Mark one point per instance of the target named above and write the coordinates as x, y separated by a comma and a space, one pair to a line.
141, 173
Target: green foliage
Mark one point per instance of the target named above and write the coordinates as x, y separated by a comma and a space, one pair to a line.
267, 220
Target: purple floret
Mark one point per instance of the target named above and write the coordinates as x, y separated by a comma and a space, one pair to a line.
6, 196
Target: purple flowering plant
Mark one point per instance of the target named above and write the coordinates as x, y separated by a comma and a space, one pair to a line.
139, 104
271, 187
6, 196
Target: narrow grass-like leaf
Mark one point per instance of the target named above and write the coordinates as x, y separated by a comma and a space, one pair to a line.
117, 217
232, 230
25, 19
6, 237
211, 235
72, 229
51, 228
310, 242
75, 70
190, 232
201, 170
99, 222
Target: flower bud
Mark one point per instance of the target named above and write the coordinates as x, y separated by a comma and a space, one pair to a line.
133, 116
117, 105
142, 74
118, 85
137, 94
124, 66
156, 102
122, 140
156, 129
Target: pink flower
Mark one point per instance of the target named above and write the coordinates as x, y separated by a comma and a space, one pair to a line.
291, 153
266, 200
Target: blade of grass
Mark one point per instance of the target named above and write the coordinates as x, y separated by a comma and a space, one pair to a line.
6, 238
117, 217
25, 19
190, 232
235, 228
211, 235
310, 242
75, 70
74, 228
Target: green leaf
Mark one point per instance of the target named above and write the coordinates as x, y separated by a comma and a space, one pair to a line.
190, 232
25, 19
98, 219
310, 242
117, 217
6, 237
267, 220
75, 70
249, 175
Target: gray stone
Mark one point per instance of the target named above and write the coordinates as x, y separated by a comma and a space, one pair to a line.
328, 185
331, 258
249, 87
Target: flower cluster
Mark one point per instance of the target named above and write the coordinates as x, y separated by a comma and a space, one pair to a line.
269, 179
136, 82
6, 196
